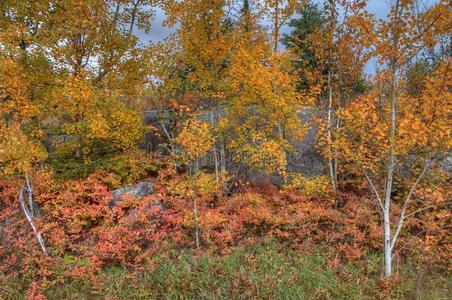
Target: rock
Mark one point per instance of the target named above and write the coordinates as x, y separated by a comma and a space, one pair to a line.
446, 164
141, 189
306, 159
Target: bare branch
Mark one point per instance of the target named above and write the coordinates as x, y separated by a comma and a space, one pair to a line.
427, 207
373, 189
403, 215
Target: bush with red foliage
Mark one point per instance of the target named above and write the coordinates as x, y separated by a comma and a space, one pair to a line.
85, 232
81, 228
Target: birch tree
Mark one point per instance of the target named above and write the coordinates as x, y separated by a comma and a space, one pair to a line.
388, 131
329, 57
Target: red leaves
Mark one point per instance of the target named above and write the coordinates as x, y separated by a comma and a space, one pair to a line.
85, 233
82, 230
33, 292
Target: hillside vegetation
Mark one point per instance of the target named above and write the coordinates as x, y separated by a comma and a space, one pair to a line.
251, 154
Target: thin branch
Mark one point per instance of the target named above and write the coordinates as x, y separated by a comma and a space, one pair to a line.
427, 207
403, 215
160, 118
373, 189
134, 12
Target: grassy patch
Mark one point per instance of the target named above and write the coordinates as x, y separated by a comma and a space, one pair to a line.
258, 272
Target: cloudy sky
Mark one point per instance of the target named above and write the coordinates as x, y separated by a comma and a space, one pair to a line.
379, 8
158, 32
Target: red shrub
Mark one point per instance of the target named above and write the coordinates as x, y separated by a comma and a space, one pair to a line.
85, 232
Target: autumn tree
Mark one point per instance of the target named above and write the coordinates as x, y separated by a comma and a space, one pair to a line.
390, 135
204, 39
21, 147
309, 22
263, 114
70, 72
196, 140
329, 57
85, 71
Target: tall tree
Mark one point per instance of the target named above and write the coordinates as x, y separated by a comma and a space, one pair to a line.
388, 129
308, 25
84, 65
327, 53
205, 41
263, 110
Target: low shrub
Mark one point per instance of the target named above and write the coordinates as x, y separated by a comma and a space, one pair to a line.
93, 242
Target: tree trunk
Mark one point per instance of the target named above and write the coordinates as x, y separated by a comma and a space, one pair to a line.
390, 175
195, 212
30, 212
222, 150
331, 166
387, 242
215, 156
276, 29
195, 203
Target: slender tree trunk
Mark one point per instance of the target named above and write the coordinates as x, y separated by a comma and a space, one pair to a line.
390, 176
195, 212
195, 203
276, 30
391, 156
31, 202
222, 150
30, 212
222, 158
331, 166
215, 156
246, 14
387, 241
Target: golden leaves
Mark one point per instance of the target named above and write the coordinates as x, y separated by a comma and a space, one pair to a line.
196, 139
422, 124
18, 153
14, 90
77, 95
309, 187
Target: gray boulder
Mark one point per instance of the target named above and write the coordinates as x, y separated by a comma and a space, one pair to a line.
141, 189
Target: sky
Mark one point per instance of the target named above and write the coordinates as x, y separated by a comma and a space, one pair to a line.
158, 32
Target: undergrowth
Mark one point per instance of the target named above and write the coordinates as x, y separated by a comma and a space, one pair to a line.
265, 271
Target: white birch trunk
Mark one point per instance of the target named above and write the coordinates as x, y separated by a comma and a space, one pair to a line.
29, 211
329, 134
215, 157
195, 203
390, 175
387, 242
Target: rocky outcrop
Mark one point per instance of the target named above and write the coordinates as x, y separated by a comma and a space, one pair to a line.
305, 158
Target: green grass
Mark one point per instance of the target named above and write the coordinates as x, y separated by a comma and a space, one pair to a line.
259, 272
